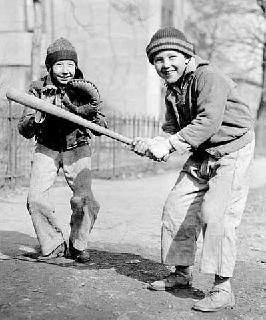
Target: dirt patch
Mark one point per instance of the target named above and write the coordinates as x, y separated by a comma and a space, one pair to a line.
125, 256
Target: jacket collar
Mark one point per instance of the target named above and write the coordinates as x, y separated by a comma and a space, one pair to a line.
48, 85
190, 69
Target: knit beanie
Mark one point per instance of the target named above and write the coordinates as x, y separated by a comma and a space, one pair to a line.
60, 49
169, 38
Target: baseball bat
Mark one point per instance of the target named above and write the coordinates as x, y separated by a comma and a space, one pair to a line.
44, 106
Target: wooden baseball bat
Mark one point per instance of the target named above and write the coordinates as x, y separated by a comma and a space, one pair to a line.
44, 106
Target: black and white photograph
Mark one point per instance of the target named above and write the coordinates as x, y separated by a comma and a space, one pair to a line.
132, 159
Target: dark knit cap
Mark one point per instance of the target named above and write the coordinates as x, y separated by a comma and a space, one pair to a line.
60, 49
169, 38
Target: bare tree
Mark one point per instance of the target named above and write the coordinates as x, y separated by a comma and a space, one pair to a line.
232, 33
262, 106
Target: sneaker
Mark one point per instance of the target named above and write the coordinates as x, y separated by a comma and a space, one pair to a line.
217, 299
81, 256
56, 253
177, 279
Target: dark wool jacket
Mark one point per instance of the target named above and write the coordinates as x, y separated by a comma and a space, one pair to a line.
55, 133
205, 110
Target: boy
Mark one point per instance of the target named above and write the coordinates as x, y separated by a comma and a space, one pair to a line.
61, 144
204, 116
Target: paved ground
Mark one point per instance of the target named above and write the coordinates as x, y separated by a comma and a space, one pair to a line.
125, 255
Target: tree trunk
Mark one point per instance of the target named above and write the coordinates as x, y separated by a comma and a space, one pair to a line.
261, 112
36, 39
262, 107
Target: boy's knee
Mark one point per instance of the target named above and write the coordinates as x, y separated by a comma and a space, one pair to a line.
213, 219
34, 201
76, 203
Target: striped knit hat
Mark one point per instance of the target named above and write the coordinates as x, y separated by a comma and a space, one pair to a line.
60, 49
169, 38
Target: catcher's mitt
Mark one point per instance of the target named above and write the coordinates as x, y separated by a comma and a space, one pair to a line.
82, 97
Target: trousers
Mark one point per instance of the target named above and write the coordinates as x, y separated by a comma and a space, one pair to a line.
209, 196
76, 166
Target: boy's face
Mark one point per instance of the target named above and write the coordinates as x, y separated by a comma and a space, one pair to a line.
64, 71
170, 65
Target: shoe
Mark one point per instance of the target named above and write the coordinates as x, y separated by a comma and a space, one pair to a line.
56, 253
81, 256
220, 297
177, 279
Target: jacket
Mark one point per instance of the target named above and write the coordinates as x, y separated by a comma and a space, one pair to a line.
55, 133
204, 108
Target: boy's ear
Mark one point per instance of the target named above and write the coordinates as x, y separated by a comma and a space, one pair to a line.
187, 60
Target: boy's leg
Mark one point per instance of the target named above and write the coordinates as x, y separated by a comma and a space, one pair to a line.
77, 169
222, 209
181, 225
43, 174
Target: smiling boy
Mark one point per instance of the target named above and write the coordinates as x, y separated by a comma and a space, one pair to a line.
61, 144
205, 118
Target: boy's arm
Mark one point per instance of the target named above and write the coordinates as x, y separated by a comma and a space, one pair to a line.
27, 125
212, 92
101, 121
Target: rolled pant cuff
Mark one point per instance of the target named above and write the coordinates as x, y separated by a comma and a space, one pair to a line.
78, 244
47, 249
221, 273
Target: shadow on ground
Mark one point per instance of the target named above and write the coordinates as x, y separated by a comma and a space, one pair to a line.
23, 247
13, 243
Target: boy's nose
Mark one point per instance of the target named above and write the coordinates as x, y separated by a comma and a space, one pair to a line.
65, 68
166, 63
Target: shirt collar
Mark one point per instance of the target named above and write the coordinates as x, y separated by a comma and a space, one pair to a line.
49, 86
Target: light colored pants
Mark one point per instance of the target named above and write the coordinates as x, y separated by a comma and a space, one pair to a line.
76, 165
209, 196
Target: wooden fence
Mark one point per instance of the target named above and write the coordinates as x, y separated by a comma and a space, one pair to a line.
110, 158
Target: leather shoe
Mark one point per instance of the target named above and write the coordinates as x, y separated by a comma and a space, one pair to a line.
178, 279
56, 253
78, 255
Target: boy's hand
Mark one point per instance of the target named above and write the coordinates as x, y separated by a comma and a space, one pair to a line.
39, 117
157, 148
141, 145
160, 148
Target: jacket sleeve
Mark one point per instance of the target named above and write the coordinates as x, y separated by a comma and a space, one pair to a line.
212, 91
27, 126
99, 119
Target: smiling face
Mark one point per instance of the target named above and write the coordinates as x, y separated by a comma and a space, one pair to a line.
64, 71
170, 65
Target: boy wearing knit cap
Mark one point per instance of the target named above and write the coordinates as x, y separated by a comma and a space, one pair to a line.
61, 144
206, 119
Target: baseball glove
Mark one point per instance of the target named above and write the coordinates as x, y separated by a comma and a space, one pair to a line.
82, 98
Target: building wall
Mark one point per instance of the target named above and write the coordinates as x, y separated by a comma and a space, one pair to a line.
110, 38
